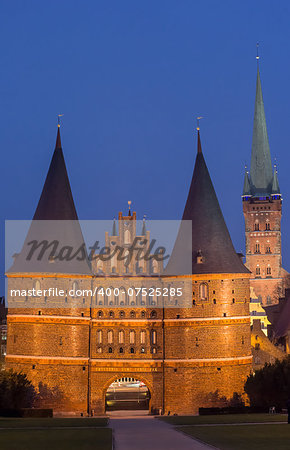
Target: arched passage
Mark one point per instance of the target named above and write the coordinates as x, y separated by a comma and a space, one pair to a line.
127, 393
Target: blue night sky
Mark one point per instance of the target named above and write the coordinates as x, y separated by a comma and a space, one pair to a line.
130, 77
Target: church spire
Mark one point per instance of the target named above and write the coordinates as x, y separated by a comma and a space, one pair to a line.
275, 186
114, 230
261, 173
247, 186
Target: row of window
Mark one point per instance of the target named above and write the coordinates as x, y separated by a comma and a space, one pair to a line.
268, 270
132, 314
258, 248
121, 336
122, 350
257, 226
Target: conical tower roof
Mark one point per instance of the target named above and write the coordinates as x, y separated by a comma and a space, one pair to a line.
211, 249
55, 226
56, 200
261, 167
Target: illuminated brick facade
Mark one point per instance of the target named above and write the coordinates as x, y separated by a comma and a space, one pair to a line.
183, 355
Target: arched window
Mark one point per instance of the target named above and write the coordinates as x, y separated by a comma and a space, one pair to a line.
257, 248
121, 350
121, 314
110, 350
132, 314
100, 266
143, 314
258, 270
132, 350
121, 337
153, 337
100, 314
256, 226
99, 349
267, 226
111, 314
142, 336
122, 296
127, 237
268, 270
36, 286
132, 337
153, 314
203, 291
99, 336
110, 337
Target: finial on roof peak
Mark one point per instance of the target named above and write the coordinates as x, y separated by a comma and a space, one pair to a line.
129, 204
58, 120
257, 55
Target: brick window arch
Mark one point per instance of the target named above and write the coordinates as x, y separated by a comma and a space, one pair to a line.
132, 337
256, 226
258, 271
99, 336
110, 337
203, 291
142, 336
153, 337
121, 337
268, 270
257, 248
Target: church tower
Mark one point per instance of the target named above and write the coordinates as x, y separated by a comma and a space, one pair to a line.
262, 207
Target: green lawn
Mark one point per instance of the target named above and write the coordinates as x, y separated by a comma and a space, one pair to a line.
242, 437
224, 418
58, 422
27, 434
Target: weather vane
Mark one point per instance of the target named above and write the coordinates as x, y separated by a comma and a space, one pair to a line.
197, 122
58, 119
257, 56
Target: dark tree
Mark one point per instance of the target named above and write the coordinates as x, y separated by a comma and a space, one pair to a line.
270, 386
16, 391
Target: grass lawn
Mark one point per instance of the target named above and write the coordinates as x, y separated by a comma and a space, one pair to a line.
27, 434
224, 418
242, 437
50, 422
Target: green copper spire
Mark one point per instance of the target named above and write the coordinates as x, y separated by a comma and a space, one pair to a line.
275, 187
261, 167
247, 186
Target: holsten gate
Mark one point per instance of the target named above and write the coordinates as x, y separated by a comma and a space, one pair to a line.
186, 354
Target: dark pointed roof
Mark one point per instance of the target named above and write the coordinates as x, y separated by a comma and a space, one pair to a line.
261, 167
55, 220
114, 230
210, 236
56, 200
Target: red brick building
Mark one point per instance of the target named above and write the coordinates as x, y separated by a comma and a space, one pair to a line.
262, 207
187, 357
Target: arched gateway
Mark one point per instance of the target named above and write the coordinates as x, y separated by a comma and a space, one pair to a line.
127, 393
